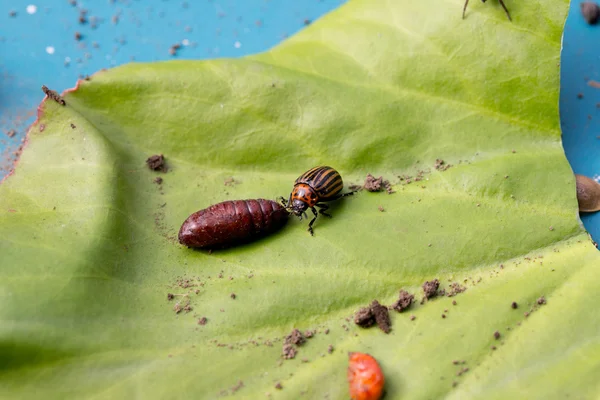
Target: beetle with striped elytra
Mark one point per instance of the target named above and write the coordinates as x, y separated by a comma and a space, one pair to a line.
311, 189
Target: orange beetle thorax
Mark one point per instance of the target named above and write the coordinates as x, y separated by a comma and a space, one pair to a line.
302, 197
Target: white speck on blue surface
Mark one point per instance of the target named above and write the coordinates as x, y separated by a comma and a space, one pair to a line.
50, 49
31, 9
237, 45
185, 42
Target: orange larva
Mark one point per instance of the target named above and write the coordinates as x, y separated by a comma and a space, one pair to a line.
365, 377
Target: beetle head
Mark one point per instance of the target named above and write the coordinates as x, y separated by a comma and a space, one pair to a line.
298, 207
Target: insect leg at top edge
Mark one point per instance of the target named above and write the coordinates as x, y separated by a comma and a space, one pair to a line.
483, 1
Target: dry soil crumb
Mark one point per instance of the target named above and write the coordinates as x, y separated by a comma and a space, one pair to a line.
157, 163
53, 95
373, 184
590, 11
73, 126
441, 165
404, 301
11, 133
541, 300
170, 296
412, 317
288, 351
158, 180
514, 305
330, 349
430, 289
496, 335
233, 296
364, 317
382, 316
202, 321
295, 337
278, 386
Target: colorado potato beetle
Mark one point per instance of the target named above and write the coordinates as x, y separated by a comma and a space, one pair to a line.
232, 222
365, 377
313, 187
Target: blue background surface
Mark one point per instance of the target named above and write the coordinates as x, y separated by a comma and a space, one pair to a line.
580, 116
119, 31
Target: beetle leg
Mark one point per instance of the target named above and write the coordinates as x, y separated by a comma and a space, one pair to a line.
505, 9
312, 221
282, 200
465, 8
339, 196
322, 209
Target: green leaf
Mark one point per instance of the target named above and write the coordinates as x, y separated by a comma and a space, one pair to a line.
89, 248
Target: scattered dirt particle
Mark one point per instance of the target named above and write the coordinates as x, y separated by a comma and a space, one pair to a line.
443, 315
53, 95
462, 371
551, 228
12, 13
288, 351
526, 314
233, 296
295, 337
590, 12
309, 333
430, 289
307, 21
73, 126
326, 331
455, 288
330, 349
541, 300
493, 347
454, 384
412, 317
496, 335
158, 180
304, 360
11, 133
237, 387
455, 362
441, 165
278, 386
580, 95
381, 209
42, 127
173, 49
230, 181
404, 301
382, 316
514, 305
157, 163
78, 36
453, 302
170, 296
202, 321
